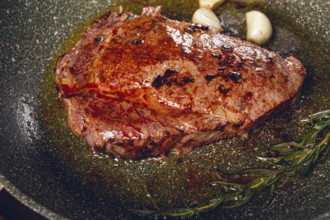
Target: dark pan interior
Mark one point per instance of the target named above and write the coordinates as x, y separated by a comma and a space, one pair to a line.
54, 173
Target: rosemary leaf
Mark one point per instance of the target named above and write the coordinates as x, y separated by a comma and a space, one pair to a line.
288, 162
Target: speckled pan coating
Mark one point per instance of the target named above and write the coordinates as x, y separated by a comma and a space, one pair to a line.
31, 32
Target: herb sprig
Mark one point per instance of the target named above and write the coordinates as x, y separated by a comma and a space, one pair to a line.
285, 162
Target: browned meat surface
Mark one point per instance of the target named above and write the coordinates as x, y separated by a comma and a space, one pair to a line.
138, 86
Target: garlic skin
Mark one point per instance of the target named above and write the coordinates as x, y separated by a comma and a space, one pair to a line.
210, 4
259, 27
207, 17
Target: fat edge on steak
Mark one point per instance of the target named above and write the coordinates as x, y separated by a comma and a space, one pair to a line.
139, 86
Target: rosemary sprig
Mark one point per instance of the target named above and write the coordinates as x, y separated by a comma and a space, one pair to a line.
286, 162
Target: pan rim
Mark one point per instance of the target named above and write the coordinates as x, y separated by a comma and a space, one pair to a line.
49, 214
42, 210
27, 200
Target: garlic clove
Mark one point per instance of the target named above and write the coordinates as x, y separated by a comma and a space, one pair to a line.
259, 27
207, 17
210, 4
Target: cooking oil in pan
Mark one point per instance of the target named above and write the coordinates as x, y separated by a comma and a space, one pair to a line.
186, 180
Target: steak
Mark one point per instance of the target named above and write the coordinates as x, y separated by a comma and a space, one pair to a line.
140, 86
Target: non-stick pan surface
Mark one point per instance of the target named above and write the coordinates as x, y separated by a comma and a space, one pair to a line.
32, 167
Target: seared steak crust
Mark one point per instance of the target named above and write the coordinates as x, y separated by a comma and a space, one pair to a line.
138, 86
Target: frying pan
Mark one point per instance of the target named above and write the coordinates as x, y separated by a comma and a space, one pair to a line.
56, 174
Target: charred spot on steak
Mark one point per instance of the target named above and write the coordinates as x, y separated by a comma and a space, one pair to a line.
140, 86
226, 48
209, 77
158, 82
223, 90
234, 76
248, 95
186, 80
163, 80
99, 39
168, 73
218, 56
204, 28
138, 41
